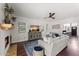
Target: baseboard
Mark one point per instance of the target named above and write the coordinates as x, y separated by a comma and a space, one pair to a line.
18, 42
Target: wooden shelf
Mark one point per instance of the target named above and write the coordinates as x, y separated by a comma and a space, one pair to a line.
5, 27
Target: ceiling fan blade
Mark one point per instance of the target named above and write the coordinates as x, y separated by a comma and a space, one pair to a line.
53, 14
53, 17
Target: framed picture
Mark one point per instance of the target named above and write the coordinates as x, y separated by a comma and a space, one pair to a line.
57, 26
21, 27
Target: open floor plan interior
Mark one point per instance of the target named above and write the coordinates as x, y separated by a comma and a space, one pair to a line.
39, 29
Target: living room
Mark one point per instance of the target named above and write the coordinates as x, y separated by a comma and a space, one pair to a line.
38, 24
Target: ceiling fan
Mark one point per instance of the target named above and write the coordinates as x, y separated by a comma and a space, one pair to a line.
51, 15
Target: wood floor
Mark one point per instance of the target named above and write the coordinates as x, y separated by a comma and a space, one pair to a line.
71, 50
20, 49
12, 51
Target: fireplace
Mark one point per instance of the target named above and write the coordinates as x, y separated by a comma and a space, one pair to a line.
7, 41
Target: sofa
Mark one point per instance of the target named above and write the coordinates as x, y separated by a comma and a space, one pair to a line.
52, 46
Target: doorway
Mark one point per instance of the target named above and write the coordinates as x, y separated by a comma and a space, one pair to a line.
74, 31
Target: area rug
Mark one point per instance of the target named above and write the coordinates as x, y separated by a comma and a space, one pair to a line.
29, 47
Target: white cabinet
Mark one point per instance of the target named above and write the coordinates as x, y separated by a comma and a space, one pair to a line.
34, 35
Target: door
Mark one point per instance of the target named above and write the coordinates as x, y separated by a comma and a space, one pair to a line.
74, 31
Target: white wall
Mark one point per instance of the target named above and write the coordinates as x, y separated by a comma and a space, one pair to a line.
18, 37
1, 12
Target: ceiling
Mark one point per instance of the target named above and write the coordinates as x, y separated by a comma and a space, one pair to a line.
41, 10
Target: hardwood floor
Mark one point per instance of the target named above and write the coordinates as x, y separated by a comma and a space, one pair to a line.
71, 50
20, 49
12, 51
